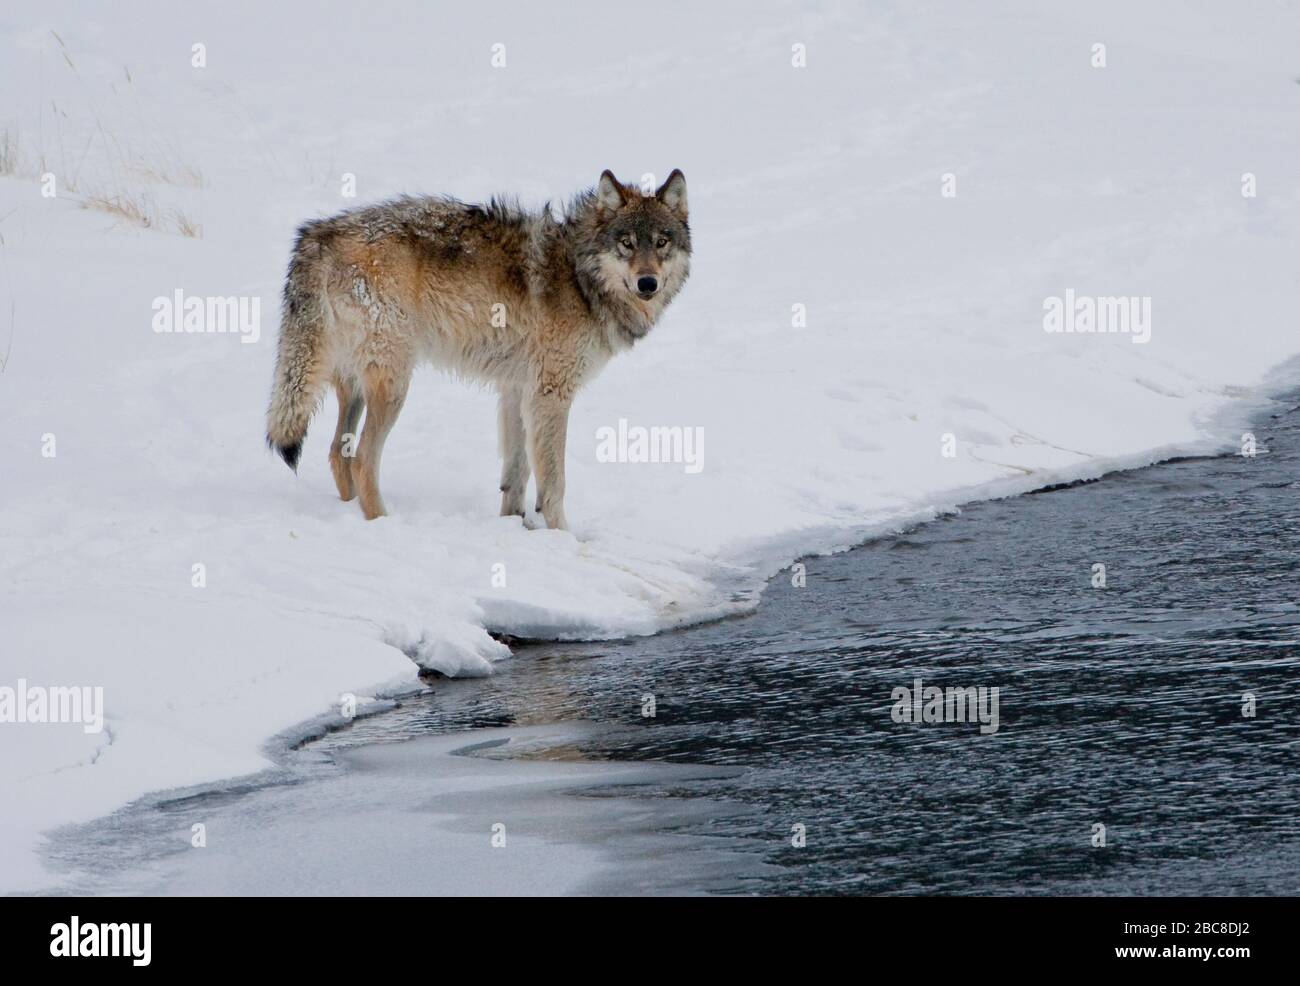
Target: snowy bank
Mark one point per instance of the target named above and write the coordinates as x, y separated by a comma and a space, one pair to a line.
849, 322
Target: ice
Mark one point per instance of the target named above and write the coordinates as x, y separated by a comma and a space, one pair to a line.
462, 814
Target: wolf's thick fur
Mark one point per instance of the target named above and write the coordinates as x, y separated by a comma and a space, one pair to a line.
532, 304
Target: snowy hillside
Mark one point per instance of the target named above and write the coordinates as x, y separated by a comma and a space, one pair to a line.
878, 233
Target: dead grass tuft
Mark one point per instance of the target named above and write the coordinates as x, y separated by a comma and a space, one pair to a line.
139, 211
8, 153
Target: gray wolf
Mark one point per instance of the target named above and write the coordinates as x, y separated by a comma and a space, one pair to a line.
528, 303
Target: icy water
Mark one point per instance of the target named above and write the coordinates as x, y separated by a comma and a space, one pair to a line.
1118, 706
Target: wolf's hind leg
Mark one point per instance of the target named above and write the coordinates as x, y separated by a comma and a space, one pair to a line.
343, 449
385, 393
514, 452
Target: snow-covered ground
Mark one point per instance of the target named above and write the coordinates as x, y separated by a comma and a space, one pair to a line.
819, 186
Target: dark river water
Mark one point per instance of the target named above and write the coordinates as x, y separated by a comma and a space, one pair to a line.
1120, 707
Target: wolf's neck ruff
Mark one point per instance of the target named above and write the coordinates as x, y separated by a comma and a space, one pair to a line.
624, 323
528, 303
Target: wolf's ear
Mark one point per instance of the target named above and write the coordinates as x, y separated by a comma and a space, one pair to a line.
609, 191
672, 193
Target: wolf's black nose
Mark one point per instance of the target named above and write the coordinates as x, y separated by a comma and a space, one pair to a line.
647, 285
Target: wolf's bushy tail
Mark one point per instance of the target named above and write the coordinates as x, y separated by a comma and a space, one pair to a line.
300, 367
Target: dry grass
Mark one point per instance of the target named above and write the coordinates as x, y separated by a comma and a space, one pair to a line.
182, 175
184, 225
8, 153
100, 169
140, 210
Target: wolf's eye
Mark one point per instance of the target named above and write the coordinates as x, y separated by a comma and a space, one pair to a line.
626, 243
661, 242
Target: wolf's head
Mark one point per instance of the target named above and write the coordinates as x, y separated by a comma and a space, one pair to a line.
634, 251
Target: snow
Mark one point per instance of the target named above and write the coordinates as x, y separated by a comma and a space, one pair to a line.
816, 186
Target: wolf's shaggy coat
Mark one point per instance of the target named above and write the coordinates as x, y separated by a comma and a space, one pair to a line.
531, 304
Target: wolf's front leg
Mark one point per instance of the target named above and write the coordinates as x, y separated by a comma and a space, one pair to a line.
546, 418
514, 452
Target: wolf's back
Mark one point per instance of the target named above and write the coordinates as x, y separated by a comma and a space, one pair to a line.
300, 367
